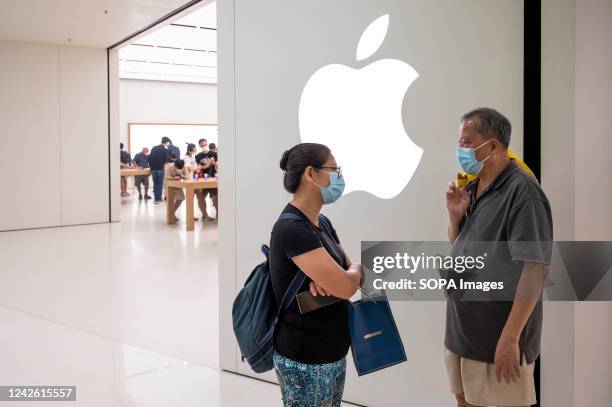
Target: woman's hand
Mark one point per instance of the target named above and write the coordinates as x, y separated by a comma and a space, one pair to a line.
331, 279
358, 267
317, 290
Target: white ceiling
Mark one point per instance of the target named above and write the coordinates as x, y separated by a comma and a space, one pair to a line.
93, 23
183, 51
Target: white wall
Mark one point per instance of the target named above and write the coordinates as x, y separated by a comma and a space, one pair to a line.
143, 101
593, 191
53, 109
113, 95
576, 145
299, 38
557, 367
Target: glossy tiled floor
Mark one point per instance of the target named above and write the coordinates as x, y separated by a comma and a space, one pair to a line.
127, 312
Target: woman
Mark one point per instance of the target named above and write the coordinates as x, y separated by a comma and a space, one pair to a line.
190, 161
192, 166
310, 349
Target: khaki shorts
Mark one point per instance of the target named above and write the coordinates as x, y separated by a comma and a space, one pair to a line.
141, 179
478, 382
179, 195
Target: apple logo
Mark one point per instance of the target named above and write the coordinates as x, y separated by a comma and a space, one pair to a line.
358, 114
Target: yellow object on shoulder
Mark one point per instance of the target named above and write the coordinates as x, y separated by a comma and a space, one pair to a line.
464, 179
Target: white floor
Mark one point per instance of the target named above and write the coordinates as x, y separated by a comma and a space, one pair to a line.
127, 312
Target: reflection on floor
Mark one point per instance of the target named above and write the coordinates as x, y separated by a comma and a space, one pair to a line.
127, 312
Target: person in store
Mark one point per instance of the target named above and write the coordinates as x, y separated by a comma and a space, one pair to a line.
190, 161
174, 149
203, 143
172, 157
141, 160
157, 160
207, 161
176, 171
191, 166
126, 162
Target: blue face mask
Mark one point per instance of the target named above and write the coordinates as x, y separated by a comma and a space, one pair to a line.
334, 190
466, 157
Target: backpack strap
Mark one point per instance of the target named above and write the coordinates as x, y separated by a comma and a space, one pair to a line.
292, 291
297, 281
300, 277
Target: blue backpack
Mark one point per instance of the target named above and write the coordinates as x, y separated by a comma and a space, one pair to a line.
255, 313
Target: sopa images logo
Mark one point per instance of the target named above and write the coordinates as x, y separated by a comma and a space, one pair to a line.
358, 114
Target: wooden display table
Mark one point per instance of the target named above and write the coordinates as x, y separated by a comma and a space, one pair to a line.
134, 172
189, 186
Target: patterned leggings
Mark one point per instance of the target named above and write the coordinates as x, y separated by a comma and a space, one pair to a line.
304, 385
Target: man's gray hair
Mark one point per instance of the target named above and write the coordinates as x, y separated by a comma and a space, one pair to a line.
490, 123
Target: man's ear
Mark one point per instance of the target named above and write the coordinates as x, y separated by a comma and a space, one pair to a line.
495, 144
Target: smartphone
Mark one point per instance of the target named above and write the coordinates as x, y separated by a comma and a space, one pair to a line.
308, 302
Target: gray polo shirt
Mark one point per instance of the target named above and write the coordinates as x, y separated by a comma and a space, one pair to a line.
514, 212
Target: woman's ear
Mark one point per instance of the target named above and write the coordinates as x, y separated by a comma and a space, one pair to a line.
308, 174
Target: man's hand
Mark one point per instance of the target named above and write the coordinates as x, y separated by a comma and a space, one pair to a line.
507, 357
457, 202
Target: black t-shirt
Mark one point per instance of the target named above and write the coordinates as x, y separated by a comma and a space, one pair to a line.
320, 336
202, 159
158, 157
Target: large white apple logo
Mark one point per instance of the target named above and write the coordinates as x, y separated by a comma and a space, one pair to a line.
357, 113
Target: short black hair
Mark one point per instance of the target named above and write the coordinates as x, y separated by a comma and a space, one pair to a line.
298, 158
172, 156
166, 140
212, 146
121, 145
180, 164
201, 140
190, 146
490, 123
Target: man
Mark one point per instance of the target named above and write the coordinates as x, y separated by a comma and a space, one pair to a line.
491, 346
126, 162
157, 161
207, 160
175, 171
203, 143
174, 149
203, 157
142, 161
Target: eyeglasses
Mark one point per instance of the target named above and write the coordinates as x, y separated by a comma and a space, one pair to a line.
337, 170
462, 144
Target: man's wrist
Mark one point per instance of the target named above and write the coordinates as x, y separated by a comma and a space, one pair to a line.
510, 335
454, 222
